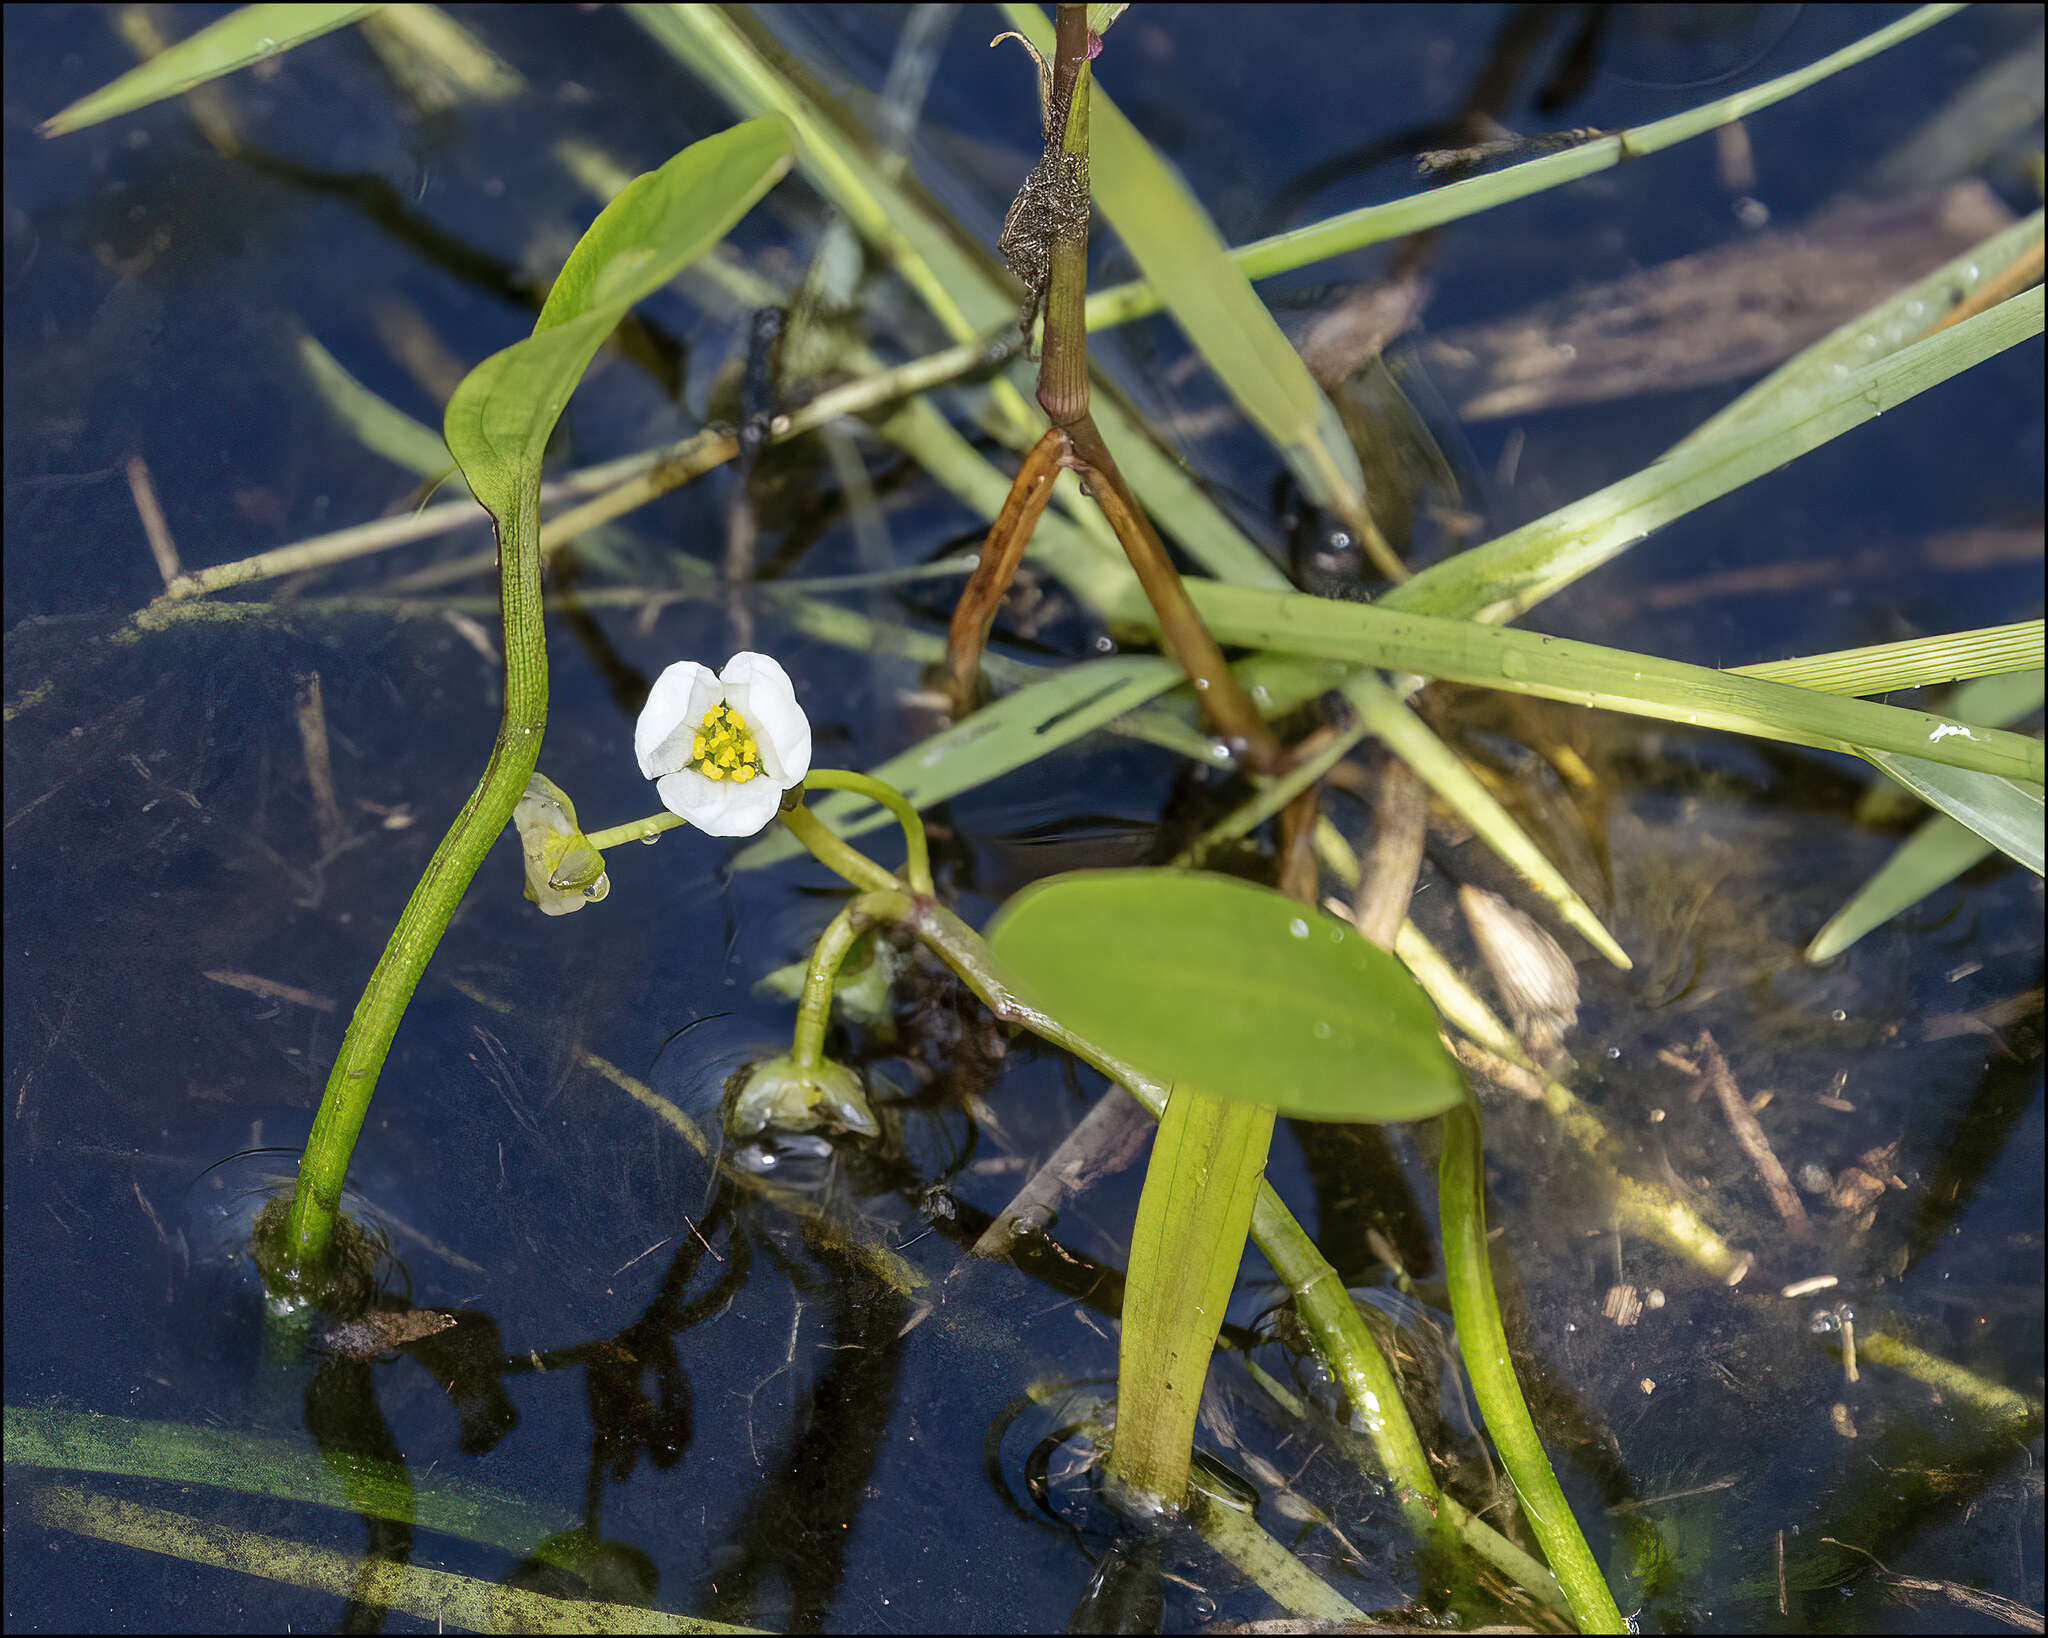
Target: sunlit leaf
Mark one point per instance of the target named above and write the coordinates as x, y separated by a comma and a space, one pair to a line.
1527, 662
1979, 812
1229, 987
1917, 662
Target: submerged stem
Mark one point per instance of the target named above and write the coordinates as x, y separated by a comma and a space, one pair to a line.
1484, 1344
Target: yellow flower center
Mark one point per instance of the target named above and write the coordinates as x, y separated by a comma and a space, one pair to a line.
724, 748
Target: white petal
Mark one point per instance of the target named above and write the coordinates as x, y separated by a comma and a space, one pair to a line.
760, 690
670, 719
718, 807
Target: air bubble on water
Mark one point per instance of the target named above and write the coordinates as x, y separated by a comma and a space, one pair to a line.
1320, 1030
1614, 1052
1298, 928
1839, 1016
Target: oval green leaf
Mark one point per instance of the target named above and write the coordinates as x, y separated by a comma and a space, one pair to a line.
1230, 987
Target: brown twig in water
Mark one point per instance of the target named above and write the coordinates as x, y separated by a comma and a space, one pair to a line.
1712, 1068
1108, 1139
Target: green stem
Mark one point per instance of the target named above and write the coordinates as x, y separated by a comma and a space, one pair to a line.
814, 1009
309, 1226
917, 864
1339, 1335
1484, 1344
836, 855
635, 830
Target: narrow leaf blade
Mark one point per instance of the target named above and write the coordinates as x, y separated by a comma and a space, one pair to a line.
1186, 1247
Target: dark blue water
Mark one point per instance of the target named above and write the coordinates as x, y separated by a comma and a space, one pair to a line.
786, 1438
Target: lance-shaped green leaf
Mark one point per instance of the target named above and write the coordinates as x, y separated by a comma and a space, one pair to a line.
497, 426
500, 417
1938, 852
1230, 987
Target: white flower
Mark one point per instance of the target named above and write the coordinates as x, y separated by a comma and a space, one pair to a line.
722, 749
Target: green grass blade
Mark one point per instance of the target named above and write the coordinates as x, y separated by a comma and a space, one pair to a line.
1483, 1342
440, 1598
379, 426
1587, 674
1508, 575
1918, 662
1899, 320
1373, 224
2005, 814
1207, 1162
251, 35
961, 292
2002, 811
254, 1465
1938, 852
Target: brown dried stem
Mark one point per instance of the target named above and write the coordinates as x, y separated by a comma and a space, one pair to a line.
1048, 229
1001, 552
